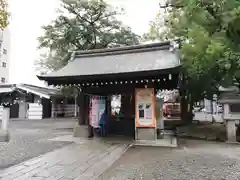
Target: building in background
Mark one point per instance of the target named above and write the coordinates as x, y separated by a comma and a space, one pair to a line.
4, 55
35, 103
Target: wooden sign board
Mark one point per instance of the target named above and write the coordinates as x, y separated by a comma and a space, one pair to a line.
145, 108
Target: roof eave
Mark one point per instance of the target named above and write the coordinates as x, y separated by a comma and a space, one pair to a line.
99, 77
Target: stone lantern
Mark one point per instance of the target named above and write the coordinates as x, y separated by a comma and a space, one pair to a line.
230, 98
4, 133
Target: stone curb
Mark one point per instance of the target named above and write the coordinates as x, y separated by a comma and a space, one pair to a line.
217, 139
116, 158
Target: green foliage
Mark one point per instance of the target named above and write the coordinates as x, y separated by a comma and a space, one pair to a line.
4, 14
209, 35
82, 25
70, 91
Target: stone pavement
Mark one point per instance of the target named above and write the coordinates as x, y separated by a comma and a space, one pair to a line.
87, 159
194, 160
29, 139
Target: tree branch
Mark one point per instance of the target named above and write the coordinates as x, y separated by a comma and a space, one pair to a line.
77, 14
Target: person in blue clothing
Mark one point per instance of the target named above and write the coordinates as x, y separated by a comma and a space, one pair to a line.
103, 122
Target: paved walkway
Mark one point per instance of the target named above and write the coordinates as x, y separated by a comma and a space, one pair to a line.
87, 159
29, 139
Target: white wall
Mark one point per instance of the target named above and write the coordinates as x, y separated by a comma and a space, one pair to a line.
5, 38
35, 111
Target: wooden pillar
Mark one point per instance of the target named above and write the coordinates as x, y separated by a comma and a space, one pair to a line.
108, 105
54, 108
126, 105
65, 109
86, 110
133, 104
133, 113
81, 119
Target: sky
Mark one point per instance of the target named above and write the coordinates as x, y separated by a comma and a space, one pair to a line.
27, 17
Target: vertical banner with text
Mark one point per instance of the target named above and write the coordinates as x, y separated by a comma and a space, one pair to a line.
97, 110
94, 111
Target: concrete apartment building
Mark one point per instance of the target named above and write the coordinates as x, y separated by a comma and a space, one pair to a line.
4, 55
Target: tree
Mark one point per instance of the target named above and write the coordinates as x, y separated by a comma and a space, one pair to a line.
4, 14
82, 25
209, 35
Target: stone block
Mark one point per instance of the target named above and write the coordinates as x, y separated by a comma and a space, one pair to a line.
80, 131
4, 136
146, 134
231, 131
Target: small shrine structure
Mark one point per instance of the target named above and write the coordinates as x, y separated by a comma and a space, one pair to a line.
134, 72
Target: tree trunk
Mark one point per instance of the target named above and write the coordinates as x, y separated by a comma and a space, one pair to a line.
186, 108
212, 109
184, 100
190, 111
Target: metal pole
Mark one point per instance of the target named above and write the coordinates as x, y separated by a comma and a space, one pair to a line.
75, 106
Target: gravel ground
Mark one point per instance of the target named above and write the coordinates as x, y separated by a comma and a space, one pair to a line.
198, 161
29, 139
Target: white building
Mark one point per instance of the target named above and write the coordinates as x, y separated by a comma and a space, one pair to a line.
4, 55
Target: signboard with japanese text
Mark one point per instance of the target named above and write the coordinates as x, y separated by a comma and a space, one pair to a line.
145, 108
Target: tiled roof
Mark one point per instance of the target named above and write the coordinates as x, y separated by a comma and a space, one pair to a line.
147, 57
37, 90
